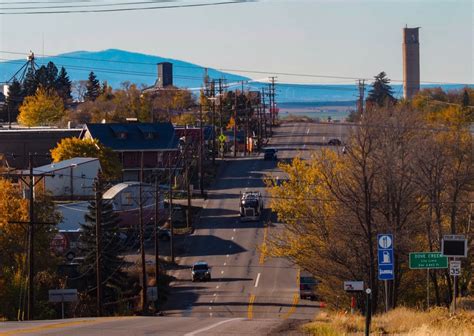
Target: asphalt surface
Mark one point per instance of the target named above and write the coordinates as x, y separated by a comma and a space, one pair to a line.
250, 293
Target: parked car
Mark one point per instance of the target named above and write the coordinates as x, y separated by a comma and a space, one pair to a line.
334, 142
308, 286
201, 271
270, 154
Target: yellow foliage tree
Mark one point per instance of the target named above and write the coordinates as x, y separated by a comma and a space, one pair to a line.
44, 108
13, 243
74, 147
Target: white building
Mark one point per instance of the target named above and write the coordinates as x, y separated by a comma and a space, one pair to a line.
69, 179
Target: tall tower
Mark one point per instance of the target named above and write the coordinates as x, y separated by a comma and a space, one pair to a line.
165, 74
411, 62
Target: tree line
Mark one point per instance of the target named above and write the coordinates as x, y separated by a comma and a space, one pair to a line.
407, 169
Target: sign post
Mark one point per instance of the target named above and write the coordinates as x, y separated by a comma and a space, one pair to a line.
454, 246
62, 295
385, 260
428, 260
353, 286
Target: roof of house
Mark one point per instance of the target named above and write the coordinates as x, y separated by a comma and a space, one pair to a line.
55, 166
134, 136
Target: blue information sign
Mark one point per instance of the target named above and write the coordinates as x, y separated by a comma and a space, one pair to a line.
385, 257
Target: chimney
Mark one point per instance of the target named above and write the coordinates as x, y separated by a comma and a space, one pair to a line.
165, 74
411, 62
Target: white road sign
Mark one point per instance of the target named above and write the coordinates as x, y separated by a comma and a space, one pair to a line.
353, 286
454, 267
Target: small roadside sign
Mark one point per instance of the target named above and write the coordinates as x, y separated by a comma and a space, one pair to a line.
354, 286
454, 246
152, 294
455, 267
385, 256
431, 260
222, 138
62, 295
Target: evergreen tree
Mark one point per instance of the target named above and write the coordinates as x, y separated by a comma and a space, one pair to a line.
93, 88
114, 279
46, 76
465, 98
14, 99
63, 86
381, 93
30, 84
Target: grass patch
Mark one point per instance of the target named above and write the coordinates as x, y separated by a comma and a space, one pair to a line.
400, 321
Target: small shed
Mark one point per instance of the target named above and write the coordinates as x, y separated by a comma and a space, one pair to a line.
69, 179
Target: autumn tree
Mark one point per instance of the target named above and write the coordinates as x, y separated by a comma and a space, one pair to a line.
44, 108
69, 148
13, 248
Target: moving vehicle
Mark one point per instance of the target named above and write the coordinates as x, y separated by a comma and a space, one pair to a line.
308, 286
251, 206
270, 154
334, 142
201, 271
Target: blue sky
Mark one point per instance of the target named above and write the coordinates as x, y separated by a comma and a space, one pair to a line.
339, 38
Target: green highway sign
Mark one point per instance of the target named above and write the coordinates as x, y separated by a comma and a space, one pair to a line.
423, 260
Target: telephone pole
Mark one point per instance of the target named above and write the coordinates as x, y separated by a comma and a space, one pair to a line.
98, 239
272, 100
264, 114
170, 204
142, 238
31, 236
201, 148
31, 230
213, 94
157, 256
360, 107
235, 123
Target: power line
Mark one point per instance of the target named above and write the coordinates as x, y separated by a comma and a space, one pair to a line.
72, 4
262, 72
223, 3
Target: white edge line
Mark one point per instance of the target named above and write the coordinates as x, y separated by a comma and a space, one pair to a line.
193, 333
256, 281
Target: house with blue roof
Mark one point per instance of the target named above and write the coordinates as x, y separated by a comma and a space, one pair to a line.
157, 142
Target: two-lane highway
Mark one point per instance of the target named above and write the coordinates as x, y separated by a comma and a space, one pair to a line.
250, 293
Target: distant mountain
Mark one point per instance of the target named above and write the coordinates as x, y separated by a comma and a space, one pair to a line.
117, 66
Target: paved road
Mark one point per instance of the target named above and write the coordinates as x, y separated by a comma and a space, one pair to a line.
250, 293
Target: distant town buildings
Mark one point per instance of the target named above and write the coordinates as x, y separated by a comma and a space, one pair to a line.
411, 62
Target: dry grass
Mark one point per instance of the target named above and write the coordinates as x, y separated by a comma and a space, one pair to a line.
400, 321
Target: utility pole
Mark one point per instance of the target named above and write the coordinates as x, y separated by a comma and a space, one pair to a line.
272, 101
170, 204
31, 236
213, 93
142, 239
188, 184
201, 148
31, 231
264, 113
221, 90
157, 256
235, 123
98, 239
360, 107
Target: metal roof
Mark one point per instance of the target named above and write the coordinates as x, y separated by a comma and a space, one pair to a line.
137, 136
55, 166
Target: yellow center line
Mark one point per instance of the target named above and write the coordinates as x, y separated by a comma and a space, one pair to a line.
263, 247
290, 312
250, 307
56, 326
